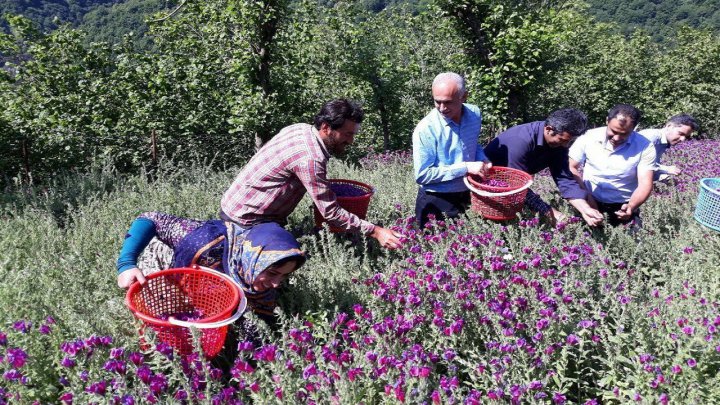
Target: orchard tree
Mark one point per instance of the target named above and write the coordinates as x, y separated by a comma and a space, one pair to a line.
385, 60
511, 48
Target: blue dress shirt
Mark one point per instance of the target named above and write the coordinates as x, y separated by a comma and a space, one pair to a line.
523, 147
441, 147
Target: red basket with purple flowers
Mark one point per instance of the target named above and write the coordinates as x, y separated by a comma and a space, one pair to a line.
501, 194
353, 196
174, 300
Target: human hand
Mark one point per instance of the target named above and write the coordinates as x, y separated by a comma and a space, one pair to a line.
555, 216
674, 170
478, 168
388, 239
128, 277
624, 213
592, 216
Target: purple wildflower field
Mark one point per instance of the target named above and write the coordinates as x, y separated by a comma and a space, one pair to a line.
468, 312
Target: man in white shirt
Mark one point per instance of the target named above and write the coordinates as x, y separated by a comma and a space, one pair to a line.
678, 129
619, 164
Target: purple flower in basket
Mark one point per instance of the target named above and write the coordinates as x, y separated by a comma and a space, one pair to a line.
191, 316
495, 183
347, 190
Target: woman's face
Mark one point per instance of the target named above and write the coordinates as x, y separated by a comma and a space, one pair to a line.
273, 276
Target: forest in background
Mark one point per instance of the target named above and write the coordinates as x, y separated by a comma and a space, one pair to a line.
220, 77
109, 20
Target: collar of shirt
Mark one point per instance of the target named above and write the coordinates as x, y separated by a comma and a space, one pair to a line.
448, 122
663, 137
320, 141
608, 146
540, 136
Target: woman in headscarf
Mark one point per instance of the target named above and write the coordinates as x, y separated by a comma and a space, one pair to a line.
259, 259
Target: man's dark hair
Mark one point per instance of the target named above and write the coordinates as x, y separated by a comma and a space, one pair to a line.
570, 120
684, 119
626, 110
335, 112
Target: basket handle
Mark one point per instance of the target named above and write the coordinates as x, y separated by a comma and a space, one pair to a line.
238, 313
502, 194
218, 324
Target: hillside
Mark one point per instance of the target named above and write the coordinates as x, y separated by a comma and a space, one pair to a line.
103, 20
49, 13
108, 20
660, 18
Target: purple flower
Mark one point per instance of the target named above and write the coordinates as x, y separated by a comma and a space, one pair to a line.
309, 371
116, 352
66, 398
16, 357
136, 358
72, 348
68, 362
266, 353
98, 388
12, 375
144, 374
117, 366
691, 362
158, 384
165, 349
3, 339
572, 340
559, 398
246, 346
22, 326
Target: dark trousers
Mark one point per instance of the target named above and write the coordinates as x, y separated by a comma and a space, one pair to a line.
441, 205
610, 208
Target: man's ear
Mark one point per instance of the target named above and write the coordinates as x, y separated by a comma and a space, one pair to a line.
464, 97
324, 128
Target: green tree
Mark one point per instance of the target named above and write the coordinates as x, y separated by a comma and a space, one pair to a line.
512, 47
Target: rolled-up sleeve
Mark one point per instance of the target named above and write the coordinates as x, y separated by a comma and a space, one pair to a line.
313, 175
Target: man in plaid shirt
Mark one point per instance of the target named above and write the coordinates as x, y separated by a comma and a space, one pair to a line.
275, 180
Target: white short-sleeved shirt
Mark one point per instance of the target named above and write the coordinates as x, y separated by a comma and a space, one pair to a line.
610, 174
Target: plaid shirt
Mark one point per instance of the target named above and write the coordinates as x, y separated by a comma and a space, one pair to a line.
275, 180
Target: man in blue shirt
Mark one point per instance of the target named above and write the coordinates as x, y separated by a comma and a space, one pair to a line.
678, 129
445, 148
618, 165
539, 145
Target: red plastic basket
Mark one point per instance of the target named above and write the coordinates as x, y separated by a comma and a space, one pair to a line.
211, 295
499, 203
357, 205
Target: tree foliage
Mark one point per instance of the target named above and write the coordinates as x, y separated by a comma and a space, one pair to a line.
223, 76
